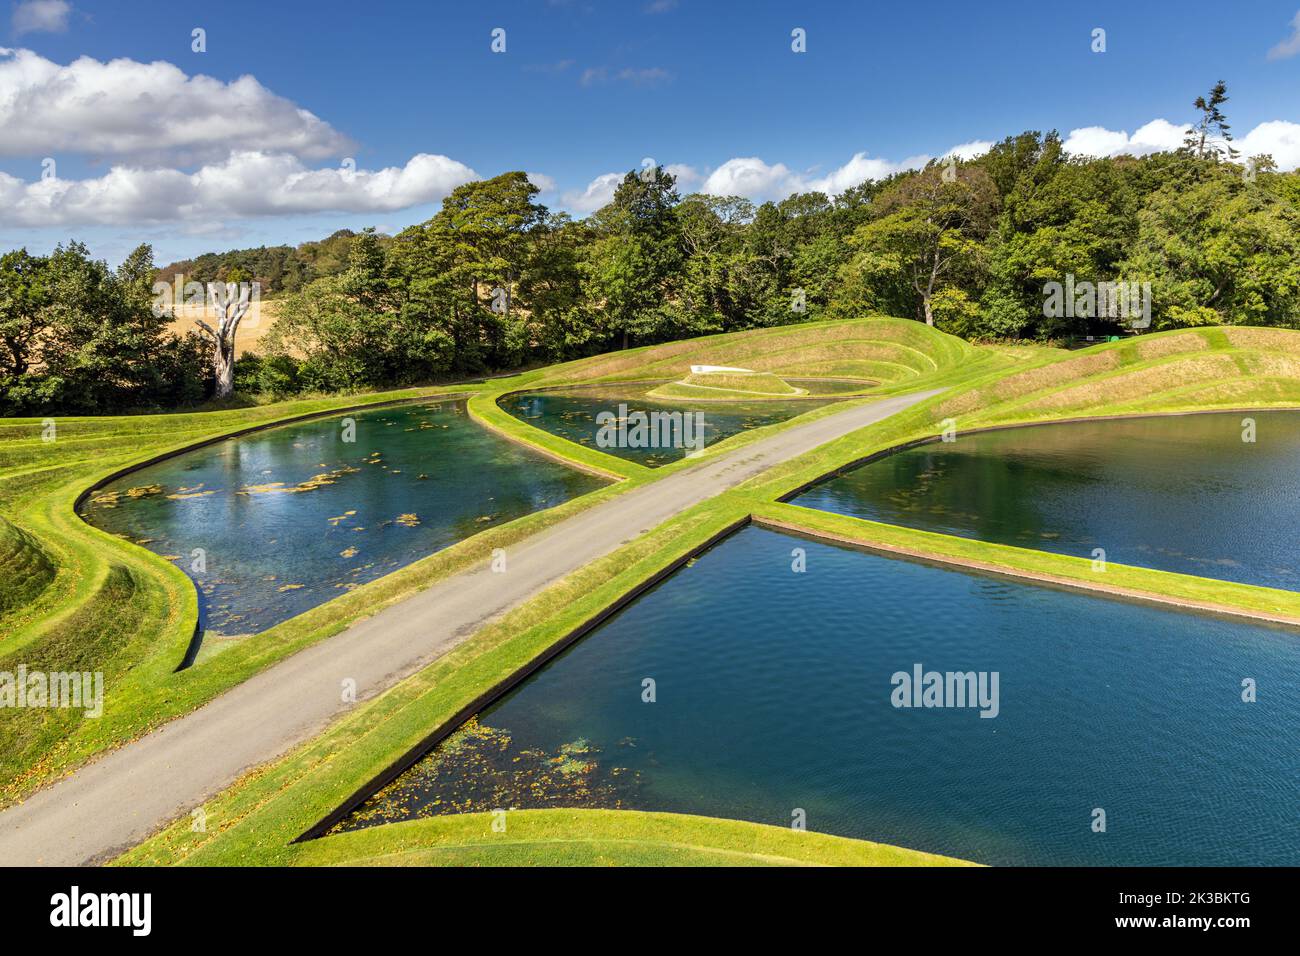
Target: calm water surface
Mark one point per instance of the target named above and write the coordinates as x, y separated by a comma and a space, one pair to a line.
290, 517
1179, 494
773, 693
571, 413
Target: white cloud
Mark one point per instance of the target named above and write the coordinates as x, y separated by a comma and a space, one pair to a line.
1279, 138
755, 179
749, 176
646, 76
687, 176
41, 16
1289, 46
649, 76
543, 182
246, 185
598, 192
1157, 136
150, 112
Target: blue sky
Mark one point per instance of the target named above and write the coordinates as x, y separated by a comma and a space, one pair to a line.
586, 89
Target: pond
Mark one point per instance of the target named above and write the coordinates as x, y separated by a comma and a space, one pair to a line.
276, 522
774, 695
572, 413
1182, 493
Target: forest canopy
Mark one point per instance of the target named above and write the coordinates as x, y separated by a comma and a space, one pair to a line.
497, 281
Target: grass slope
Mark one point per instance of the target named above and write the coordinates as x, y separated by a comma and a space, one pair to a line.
601, 838
1178, 371
727, 386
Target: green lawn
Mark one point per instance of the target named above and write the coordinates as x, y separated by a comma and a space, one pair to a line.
70, 580
599, 838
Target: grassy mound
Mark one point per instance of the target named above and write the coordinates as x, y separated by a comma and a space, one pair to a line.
115, 589
601, 838
25, 569
1193, 370
893, 352
727, 386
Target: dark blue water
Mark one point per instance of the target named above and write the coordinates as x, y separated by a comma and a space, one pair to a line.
1181, 494
774, 694
572, 413
290, 517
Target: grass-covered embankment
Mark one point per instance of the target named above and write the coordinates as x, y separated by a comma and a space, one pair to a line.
601, 838
254, 821
142, 610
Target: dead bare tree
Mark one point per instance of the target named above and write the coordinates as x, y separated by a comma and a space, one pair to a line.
232, 301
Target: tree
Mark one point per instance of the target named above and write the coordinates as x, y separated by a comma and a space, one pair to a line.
232, 300
1221, 252
631, 267
1201, 138
451, 264
927, 232
24, 298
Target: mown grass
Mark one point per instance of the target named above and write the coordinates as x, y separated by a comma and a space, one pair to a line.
40, 482
717, 386
255, 819
600, 838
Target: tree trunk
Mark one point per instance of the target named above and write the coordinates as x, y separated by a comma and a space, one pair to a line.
223, 364
925, 304
229, 313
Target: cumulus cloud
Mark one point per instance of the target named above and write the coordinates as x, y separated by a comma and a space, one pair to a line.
1157, 136
687, 177
543, 182
1289, 46
1278, 138
758, 180
246, 185
598, 192
755, 179
148, 112
41, 16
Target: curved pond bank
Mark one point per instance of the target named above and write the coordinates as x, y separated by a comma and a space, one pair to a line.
1178, 493
571, 413
275, 522
774, 693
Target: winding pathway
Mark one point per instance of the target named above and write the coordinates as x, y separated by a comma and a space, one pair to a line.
120, 799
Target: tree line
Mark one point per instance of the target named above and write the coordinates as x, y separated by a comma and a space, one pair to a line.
497, 281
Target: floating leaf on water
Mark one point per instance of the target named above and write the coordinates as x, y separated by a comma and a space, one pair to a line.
288, 587
408, 520
144, 491
347, 552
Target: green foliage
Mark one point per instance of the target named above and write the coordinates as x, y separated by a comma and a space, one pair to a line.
76, 336
494, 281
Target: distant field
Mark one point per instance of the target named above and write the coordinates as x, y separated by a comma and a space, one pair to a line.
251, 329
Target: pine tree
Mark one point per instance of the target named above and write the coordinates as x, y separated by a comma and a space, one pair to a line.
1211, 136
